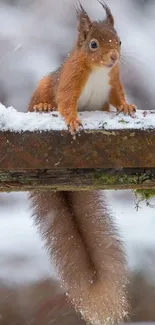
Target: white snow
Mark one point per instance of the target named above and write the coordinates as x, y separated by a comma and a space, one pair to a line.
15, 121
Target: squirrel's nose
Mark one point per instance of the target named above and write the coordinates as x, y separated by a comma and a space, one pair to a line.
114, 57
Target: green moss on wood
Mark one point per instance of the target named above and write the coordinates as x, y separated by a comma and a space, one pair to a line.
123, 121
84, 179
107, 179
145, 195
102, 178
5, 177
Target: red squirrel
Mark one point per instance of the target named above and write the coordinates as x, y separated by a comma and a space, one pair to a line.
90, 77
77, 227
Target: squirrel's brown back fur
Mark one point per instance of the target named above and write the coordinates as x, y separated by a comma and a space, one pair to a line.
47, 88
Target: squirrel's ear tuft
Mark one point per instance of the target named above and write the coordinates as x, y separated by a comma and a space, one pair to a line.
110, 18
84, 22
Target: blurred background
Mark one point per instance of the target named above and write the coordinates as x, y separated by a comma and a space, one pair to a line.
35, 36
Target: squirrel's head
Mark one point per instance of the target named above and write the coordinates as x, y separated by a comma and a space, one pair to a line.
98, 39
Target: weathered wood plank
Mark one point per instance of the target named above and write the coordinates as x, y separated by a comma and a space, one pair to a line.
76, 179
98, 159
92, 149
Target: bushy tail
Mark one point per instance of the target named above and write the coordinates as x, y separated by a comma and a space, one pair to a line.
87, 252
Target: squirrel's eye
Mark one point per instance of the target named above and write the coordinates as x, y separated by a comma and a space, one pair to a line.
120, 43
94, 44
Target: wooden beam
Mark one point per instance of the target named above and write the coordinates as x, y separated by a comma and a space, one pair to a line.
76, 179
128, 148
97, 159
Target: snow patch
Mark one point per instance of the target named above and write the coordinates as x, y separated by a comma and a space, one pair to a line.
11, 120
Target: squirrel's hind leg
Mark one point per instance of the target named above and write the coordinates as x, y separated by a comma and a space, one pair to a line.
43, 98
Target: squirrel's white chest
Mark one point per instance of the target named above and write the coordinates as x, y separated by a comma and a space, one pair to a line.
96, 91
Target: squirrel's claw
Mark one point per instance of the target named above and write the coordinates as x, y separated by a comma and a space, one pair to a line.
127, 109
73, 124
42, 107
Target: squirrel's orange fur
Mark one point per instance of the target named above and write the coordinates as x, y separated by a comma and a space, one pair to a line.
62, 89
76, 226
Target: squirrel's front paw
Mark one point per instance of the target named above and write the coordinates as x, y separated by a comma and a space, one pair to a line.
42, 107
73, 123
127, 109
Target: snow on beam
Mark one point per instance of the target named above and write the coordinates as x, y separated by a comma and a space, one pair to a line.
36, 151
